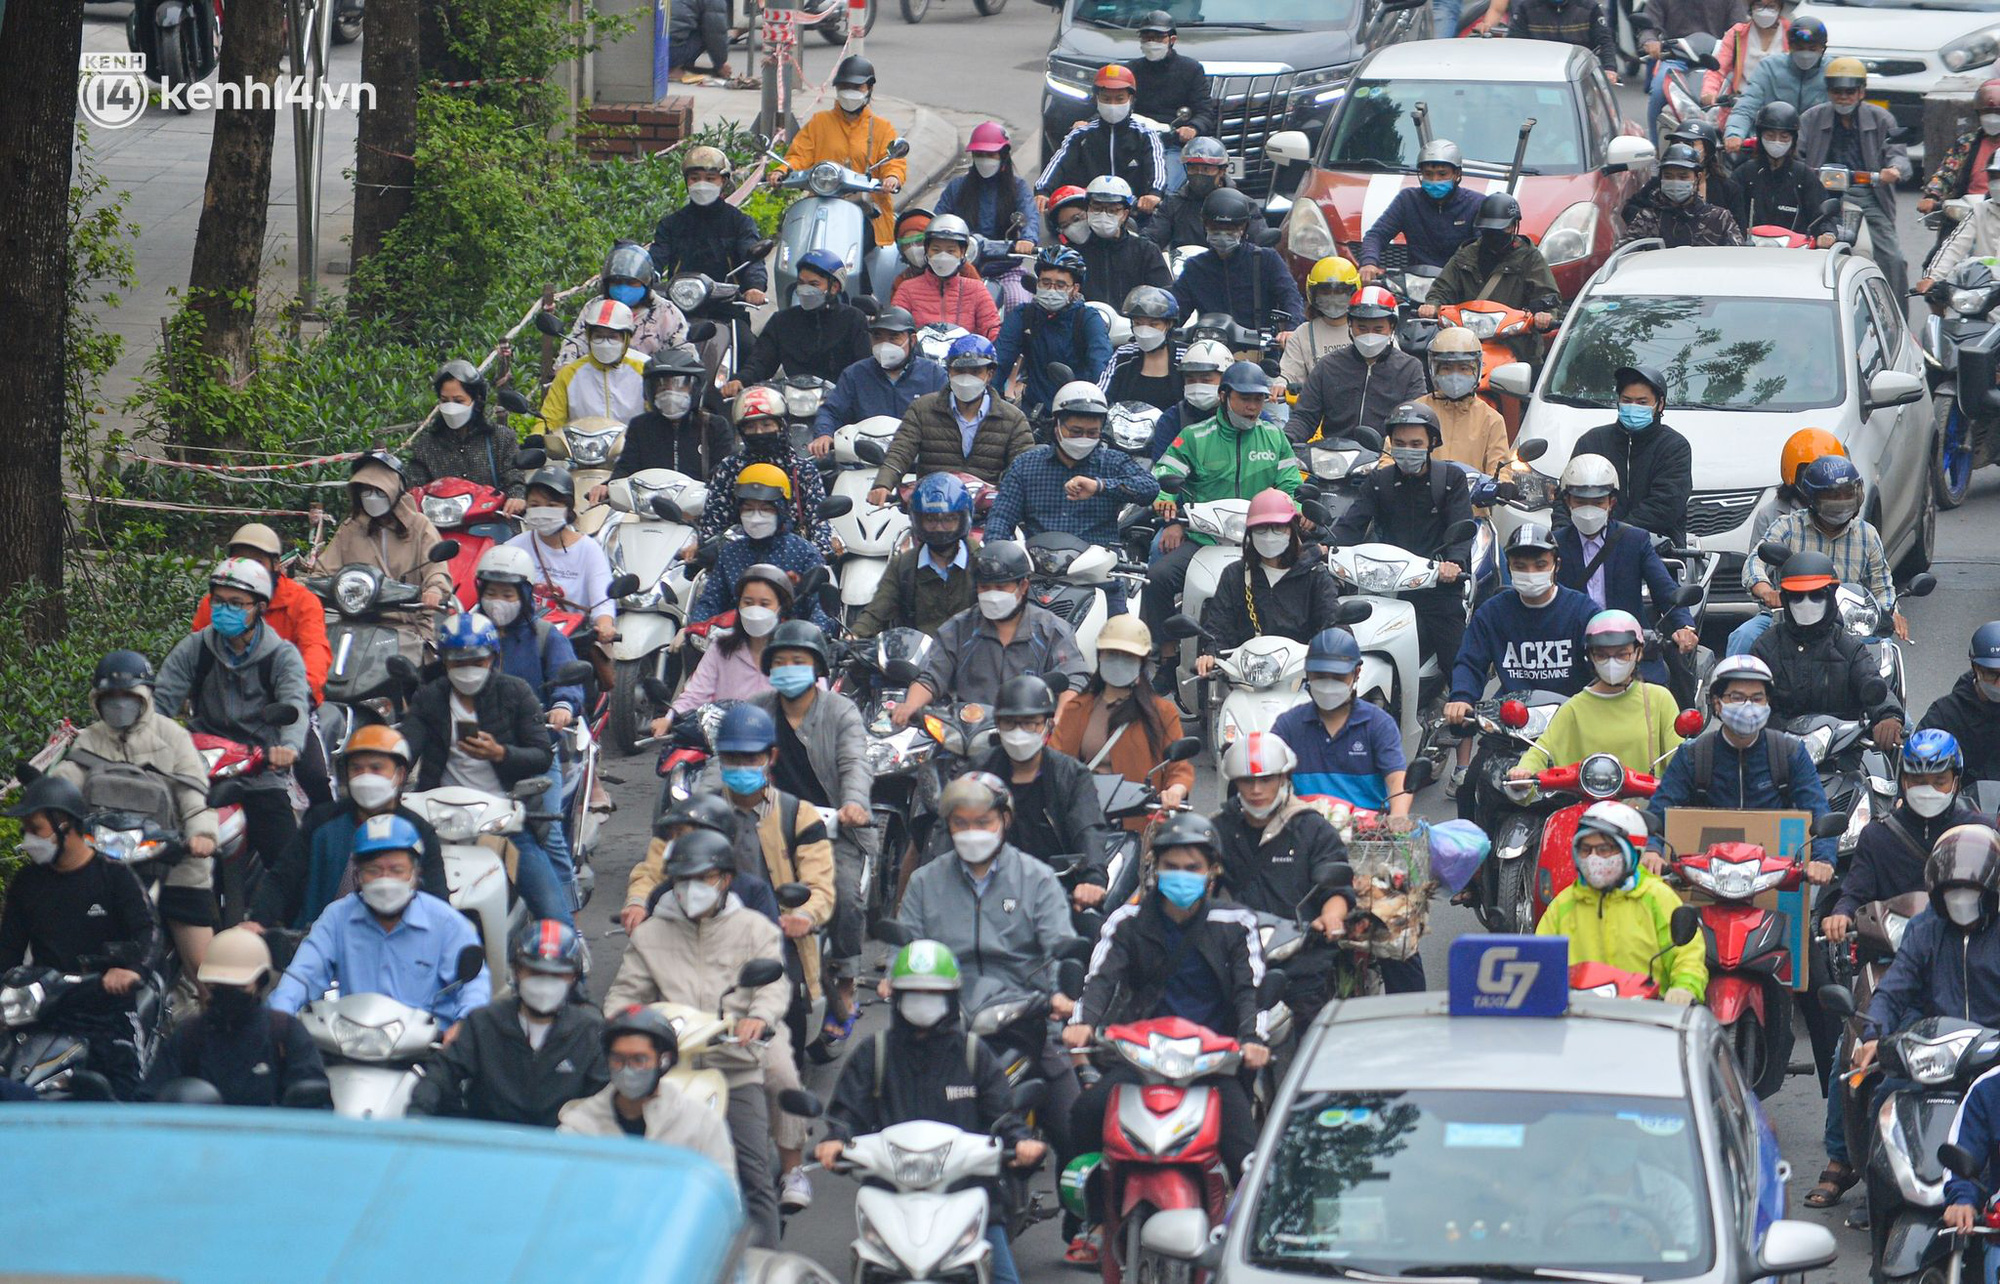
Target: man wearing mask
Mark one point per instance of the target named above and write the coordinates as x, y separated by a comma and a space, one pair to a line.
252, 1055
1057, 326
1053, 804
1971, 709
1582, 23
1413, 506
1177, 221
676, 431
713, 237
607, 381
882, 384
1677, 214
963, 427
760, 422
1474, 433
690, 950
852, 134
1499, 265
1655, 464
1816, 665
1250, 282
294, 612
1976, 236
629, 277
1830, 523
1172, 87
1434, 217
947, 291
1844, 130
1611, 562
1110, 143
1005, 636
1349, 750
1330, 287
640, 1047
1965, 167
519, 1059
1777, 188
460, 441
1798, 78
1117, 260
928, 583
820, 334
1358, 384
1201, 370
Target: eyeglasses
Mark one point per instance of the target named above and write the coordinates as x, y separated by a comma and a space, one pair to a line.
1597, 847
1742, 698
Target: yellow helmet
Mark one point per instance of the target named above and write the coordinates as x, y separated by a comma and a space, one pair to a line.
1335, 269
1127, 633
1846, 69
767, 482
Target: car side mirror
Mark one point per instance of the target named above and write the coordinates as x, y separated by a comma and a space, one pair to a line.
471, 962
793, 895
1920, 585
1288, 147
547, 324
1792, 1247
1516, 379
1684, 925
1893, 388
758, 973
891, 932
870, 451
1186, 749
1629, 152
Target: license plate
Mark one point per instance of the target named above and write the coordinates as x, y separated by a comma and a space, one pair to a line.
1236, 167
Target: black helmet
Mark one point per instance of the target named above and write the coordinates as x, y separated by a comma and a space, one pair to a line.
50, 794
466, 375
703, 810
1777, 114
1226, 205
854, 70
643, 1020
1964, 856
122, 671
1697, 129
1188, 829
1806, 31
547, 945
799, 636
698, 852
1157, 20
893, 319
1807, 572
1247, 377
1680, 156
673, 362
1531, 537
1415, 412
1498, 211
556, 480
1025, 697
1624, 376
1001, 562
386, 458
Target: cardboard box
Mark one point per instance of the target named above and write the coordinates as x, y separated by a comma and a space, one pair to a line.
1695, 829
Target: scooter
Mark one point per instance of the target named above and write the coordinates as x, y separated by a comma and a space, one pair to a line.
654, 515
230, 763
1502, 888
1130, 429
472, 828
1859, 779
1851, 221
833, 214
911, 1219
1072, 578
362, 686
877, 677
587, 447
56, 1064
803, 396
1493, 324
694, 292
373, 1045
871, 533
470, 514
934, 340
1858, 965
1961, 346
1259, 680
1222, 521
181, 40
1598, 778
1392, 669
700, 1030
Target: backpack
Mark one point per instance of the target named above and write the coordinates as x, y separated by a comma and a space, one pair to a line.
882, 1059
128, 788
1777, 747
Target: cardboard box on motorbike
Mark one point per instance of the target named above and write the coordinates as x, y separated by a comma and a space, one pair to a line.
1696, 829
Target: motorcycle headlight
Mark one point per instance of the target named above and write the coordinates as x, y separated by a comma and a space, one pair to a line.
824, 179
1484, 325
688, 293
20, 1004
1969, 303
365, 1042
802, 403
1537, 490
589, 449
1858, 612
882, 757
965, 1241
454, 824
1818, 741
353, 590
122, 844
446, 510
1975, 50
1331, 465
873, 1238
1307, 234
1175, 1058
1733, 880
1373, 576
1935, 1061
1571, 235
1262, 671
918, 1167
1232, 528
1864, 811
1130, 434
1609, 990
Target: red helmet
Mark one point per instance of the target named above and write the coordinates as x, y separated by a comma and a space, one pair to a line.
1988, 97
1271, 507
1372, 301
1116, 76
1069, 195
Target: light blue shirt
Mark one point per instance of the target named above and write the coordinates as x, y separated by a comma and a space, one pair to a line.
410, 964
925, 557
969, 428
1592, 545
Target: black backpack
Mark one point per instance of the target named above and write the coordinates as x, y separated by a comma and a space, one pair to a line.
1777, 747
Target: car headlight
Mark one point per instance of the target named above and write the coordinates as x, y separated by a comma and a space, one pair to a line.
1323, 84
688, 293
824, 179
590, 448
354, 589
1934, 1061
20, 1004
1262, 671
365, 1042
1307, 234
1570, 236
1975, 50
454, 824
1070, 80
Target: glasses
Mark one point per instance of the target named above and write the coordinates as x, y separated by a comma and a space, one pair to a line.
1083, 432
1738, 698
1596, 847
633, 1060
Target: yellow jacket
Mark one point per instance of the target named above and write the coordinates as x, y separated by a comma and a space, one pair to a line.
1474, 433
857, 142
1625, 929
585, 390
1636, 726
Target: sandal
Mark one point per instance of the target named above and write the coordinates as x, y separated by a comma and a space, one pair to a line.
1835, 1180
836, 1029
1082, 1250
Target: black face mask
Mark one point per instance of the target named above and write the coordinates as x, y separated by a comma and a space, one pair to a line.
1491, 242
230, 1006
764, 445
1201, 184
941, 541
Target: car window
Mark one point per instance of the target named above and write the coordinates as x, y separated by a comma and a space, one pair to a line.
1600, 106
1377, 130
1716, 353
1279, 15
1867, 339
1887, 315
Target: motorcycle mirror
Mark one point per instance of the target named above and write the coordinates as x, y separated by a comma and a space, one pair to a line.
871, 307
535, 441
514, 403
1077, 947
829, 600
308, 1094
870, 451
530, 460
1307, 490
704, 557
1961, 1162
899, 149
471, 962
1185, 749
758, 973
835, 506
573, 674
891, 932
1174, 483
1266, 238
1831, 825
761, 248
1352, 611
443, 551
1655, 822
1920, 585
1687, 595
402, 670
1069, 977
1529, 451
1058, 373
1316, 513
1179, 628
1057, 682
532, 787
793, 895
799, 1102
701, 332
188, 1090
810, 583
1684, 925
1272, 987
89, 1085
1459, 532
901, 673
667, 510
278, 715
656, 691
1773, 553
1417, 775
547, 324
1365, 437
621, 586
1836, 1000
1688, 723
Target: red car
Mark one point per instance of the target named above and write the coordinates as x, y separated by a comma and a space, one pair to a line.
1582, 162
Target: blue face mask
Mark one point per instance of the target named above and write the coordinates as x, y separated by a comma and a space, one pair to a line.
1635, 418
792, 680
1437, 191
629, 295
743, 781
230, 620
1182, 887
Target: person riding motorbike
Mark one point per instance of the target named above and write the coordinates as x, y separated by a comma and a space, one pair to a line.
1976, 236
1237, 276
711, 236
1500, 265
1434, 218
1964, 169
1776, 188
1845, 130
1148, 368
1949, 961
1349, 750
1618, 713
1967, 709
884, 384
995, 202
629, 277
1200, 370
818, 333
952, 291
1117, 258
1003, 637
966, 427
1330, 287
1360, 383
1474, 432
1276, 590
675, 431
1112, 143
1177, 221
1744, 45
853, 134
640, 1048
760, 422
462, 442
570, 564
1830, 522
607, 381
1817, 666
763, 513
1798, 79
1097, 727
386, 529
1052, 809
252, 1055
1655, 464
1056, 327
1617, 911
941, 520
1677, 213
1568, 22
1713, 181
1172, 87
1615, 564
732, 668
294, 612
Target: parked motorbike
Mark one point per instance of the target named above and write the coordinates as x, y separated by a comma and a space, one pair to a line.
373, 1045
56, 1064
655, 514
181, 40
1961, 345
470, 514
832, 214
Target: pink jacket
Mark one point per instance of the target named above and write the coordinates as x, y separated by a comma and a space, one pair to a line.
721, 675
955, 300
1725, 78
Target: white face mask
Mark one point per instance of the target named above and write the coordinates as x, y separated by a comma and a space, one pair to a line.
757, 621
1927, 800
986, 166
1148, 337
967, 388
944, 263
503, 611
1078, 448
1113, 113
1614, 673
1278, 800
1777, 148
456, 414
1106, 225
543, 995
998, 604
1807, 612
890, 355
704, 193
1961, 905
370, 792
1076, 231
1989, 123
1590, 519
1371, 346
1603, 873
1764, 18
388, 895
375, 503
468, 679
975, 846
40, 850
1022, 745
851, 99
1154, 50
696, 897
760, 525
923, 1009
1118, 670
673, 402
606, 352
1329, 693
545, 521
1534, 584
1272, 541
1202, 396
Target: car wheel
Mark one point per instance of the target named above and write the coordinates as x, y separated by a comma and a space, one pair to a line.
914, 10
1918, 559
1951, 453
988, 8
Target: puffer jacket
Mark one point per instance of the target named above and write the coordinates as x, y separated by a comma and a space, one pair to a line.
960, 299
397, 544
1975, 721
785, 549
719, 514
1626, 928
478, 452
1696, 223
661, 327
929, 441
671, 1120
1299, 605
230, 702
1940, 970
1823, 670
674, 959
154, 741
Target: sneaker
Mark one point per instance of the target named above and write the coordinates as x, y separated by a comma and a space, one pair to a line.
1454, 776
795, 1191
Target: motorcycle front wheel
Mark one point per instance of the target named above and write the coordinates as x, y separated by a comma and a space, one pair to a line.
346, 28
914, 10
177, 59
987, 8
1514, 900
630, 710
1951, 456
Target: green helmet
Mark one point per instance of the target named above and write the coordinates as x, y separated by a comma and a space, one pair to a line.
924, 965
1072, 1187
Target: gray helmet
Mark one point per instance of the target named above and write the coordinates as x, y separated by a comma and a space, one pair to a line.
1441, 151
894, 320
1416, 412
1247, 377
630, 261
466, 375
556, 480
1203, 149
1150, 302
948, 227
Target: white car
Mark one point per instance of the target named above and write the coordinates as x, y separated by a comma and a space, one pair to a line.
1909, 47
1755, 344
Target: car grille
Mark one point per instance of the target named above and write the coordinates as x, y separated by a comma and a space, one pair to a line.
1727, 586
1893, 66
1252, 109
1711, 512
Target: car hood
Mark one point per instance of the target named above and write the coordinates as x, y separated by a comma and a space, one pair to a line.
1917, 30
1360, 197
1223, 51
1733, 450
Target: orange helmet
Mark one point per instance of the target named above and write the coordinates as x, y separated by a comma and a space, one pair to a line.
1116, 76
376, 738
1804, 446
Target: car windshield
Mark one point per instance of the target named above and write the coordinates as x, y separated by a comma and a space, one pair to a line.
1261, 15
1496, 1184
1945, 6
1716, 354
1376, 129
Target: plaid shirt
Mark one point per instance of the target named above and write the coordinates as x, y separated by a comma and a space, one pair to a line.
1857, 553
1032, 491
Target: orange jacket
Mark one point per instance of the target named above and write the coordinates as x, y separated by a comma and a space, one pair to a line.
1132, 757
298, 617
856, 142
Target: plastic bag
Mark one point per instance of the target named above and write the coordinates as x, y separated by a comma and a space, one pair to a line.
1457, 847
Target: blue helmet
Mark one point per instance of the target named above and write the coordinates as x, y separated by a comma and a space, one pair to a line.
970, 352
1828, 472
1248, 378
467, 635
825, 262
1985, 648
940, 493
1932, 749
1063, 259
1333, 651
547, 945
385, 833
745, 729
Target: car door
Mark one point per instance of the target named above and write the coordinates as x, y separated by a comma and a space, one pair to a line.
1902, 485
1735, 1144
1873, 443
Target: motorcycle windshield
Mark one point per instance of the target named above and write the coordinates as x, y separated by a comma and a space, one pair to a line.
903, 648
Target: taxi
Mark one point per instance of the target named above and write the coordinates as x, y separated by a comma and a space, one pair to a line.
1504, 1130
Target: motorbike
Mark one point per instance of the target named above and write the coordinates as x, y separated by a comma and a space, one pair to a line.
1072, 578
472, 828
362, 685
1259, 680
1859, 779
230, 763
1961, 346
1603, 981
181, 40
699, 1030
588, 447
1858, 965
1493, 324
870, 533
921, 1212
1598, 778
1392, 671
469, 514
1851, 224
697, 292
878, 676
1130, 429
1501, 892
1861, 617
934, 340
373, 1045
56, 1064
655, 514
1221, 520
832, 214
1339, 467
1697, 52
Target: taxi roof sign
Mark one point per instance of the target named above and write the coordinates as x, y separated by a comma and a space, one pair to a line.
1509, 976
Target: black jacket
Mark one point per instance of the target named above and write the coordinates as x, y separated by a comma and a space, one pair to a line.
251, 1064
1655, 475
1127, 150
1128, 972
1166, 86
1890, 853
652, 441
1409, 512
1788, 196
712, 238
1299, 605
1344, 389
1176, 221
1292, 874
1975, 721
1116, 268
924, 1076
1823, 670
508, 710
1573, 22
1699, 222
1074, 811
491, 1072
281, 894
823, 342
479, 453
1723, 190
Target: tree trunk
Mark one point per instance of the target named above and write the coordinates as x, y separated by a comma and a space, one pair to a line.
39, 47
229, 243
384, 161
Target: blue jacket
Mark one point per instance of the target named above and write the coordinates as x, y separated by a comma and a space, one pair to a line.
1776, 80
1631, 563
987, 210
1031, 495
1939, 971
785, 550
1531, 648
1433, 229
1075, 336
1248, 284
865, 390
1977, 1128
1741, 781
532, 660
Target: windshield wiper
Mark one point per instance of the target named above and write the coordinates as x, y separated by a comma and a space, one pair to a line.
1515, 1271
1582, 403
1368, 162
1703, 405
1319, 1266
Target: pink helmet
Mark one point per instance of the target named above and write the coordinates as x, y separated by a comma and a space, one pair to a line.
1270, 508
989, 136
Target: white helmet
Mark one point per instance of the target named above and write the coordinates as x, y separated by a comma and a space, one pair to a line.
242, 573
1207, 355
1080, 397
1441, 151
1589, 477
1738, 668
609, 314
1258, 754
1109, 187
1619, 821
505, 564
948, 227
1454, 341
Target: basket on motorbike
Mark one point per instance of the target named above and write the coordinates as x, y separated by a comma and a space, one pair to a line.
1392, 886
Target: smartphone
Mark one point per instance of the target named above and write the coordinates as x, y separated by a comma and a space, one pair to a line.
464, 728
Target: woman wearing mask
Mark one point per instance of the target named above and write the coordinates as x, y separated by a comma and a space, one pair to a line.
950, 290
760, 422
997, 204
461, 442
676, 432
1274, 590
732, 668
1118, 725
1148, 368
1618, 713
566, 561
628, 278
387, 530
763, 518
1474, 433
1744, 46
1330, 287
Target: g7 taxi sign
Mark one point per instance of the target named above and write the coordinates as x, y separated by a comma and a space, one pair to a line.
1514, 976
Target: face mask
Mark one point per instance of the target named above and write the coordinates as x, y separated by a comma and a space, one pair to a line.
1456, 387
975, 846
388, 895
1332, 307
986, 166
1807, 611
967, 388
40, 850
997, 604
1988, 690
1021, 745
1329, 693
372, 793
629, 295
1410, 460
503, 611
1371, 346
944, 263
1224, 242
455, 414
809, 297
1154, 50
793, 680
1261, 814
1603, 872
1744, 719
673, 403
757, 621
760, 525
1838, 512
636, 1083
1118, 670
545, 521
1202, 184
1202, 396
1961, 905
1777, 148
913, 254
1077, 448
1989, 123
230, 620
1148, 337
120, 711
1805, 59
1677, 190
230, 1006
1241, 423
1614, 673
543, 995
704, 193
1182, 887
1106, 225
1845, 109
1589, 519
1077, 231
375, 503
1271, 543
606, 352
1113, 113
468, 679
743, 781
1926, 800
923, 1010
851, 99
1437, 191
763, 445
1534, 583
695, 897
1764, 18
1634, 418
1052, 300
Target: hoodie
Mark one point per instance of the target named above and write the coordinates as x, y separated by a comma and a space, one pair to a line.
234, 691
154, 741
1975, 720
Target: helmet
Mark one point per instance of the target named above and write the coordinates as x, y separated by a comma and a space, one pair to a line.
970, 352
122, 671
1248, 378
1802, 447
1114, 76
1805, 31
1828, 472
1415, 412
759, 402
1333, 651
1064, 197
1110, 187
893, 320
1739, 668
1333, 270
53, 794
380, 459
1846, 73
703, 810
940, 494
1626, 376
1074, 1185
388, 832
975, 791
1441, 151
798, 635
554, 479
1127, 634
374, 737
1203, 150
707, 158
745, 728
1372, 302
988, 137
924, 966
236, 956
1987, 97
244, 574
467, 635
1985, 648
1697, 129
1680, 156
1001, 562
1778, 115
609, 314
1531, 537
505, 564
1964, 856
672, 361
1062, 259
1589, 477
1271, 507
1498, 211
1157, 20
1932, 749
1619, 821
1207, 356
767, 482
1807, 572
698, 852
629, 261
824, 262
257, 536
1151, 303
1080, 397
854, 70
947, 227
1188, 829
1611, 628
1024, 697
546, 945
1454, 342
637, 1019
1226, 205
778, 578
1261, 753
